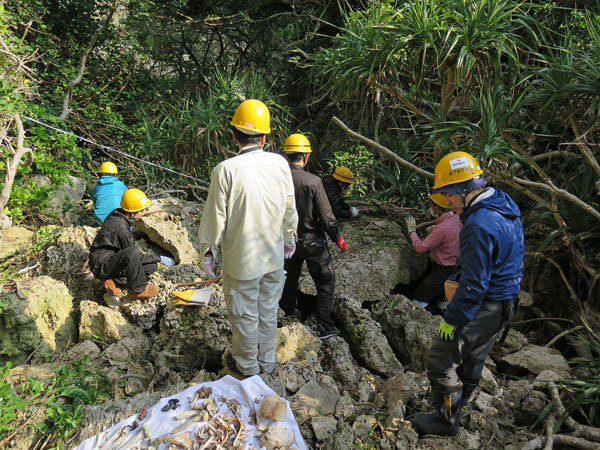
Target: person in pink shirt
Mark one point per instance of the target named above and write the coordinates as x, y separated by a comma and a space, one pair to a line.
442, 243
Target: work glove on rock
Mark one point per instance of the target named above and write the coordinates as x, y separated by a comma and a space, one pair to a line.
207, 262
354, 211
447, 331
411, 224
288, 252
342, 244
166, 261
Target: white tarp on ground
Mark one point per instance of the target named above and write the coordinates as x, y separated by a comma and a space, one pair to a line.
249, 393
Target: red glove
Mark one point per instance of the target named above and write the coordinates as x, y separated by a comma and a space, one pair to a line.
342, 244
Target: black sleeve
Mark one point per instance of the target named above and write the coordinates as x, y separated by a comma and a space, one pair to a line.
340, 208
324, 213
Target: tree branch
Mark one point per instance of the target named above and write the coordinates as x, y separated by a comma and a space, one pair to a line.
75, 81
13, 164
380, 148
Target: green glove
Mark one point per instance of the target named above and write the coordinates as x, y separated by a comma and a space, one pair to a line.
447, 331
411, 224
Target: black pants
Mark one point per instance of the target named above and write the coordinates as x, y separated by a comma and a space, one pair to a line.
431, 288
126, 269
320, 267
461, 360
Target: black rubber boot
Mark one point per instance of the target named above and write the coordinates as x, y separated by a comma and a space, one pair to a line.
467, 391
444, 420
465, 411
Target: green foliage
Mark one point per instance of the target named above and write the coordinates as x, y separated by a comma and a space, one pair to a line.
194, 130
359, 159
10, 404
63, 396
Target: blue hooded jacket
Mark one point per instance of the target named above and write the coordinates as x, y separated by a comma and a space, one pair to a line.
490, 265
106, 195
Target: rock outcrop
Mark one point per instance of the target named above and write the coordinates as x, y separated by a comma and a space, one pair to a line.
37, 316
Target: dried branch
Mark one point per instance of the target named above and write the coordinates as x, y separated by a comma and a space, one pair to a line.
380, 148
584, 147
581, 431
564, 333
549, 186
75, 81
574, 295
13, 164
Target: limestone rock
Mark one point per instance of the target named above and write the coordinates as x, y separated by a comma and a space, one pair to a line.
19, 374
297, 374
169, 235
38, 314
104, 322
536, 359
127, 351
484, 402
410, 329
13, 240
338, 361
514, 342
345, 407
365, 336
68, 254
312, 400
198, 335
363, 424
343, 439
86, 347
390, 260
324, 427
488, 383
63, 201
293, 341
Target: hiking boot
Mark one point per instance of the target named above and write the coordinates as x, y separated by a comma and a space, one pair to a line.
232, 367
112, 288
150, 291
325, 333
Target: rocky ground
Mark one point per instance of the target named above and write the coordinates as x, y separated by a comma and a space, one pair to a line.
358, 390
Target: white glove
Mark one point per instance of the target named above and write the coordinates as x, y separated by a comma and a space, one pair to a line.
208, 265
354, 211
288, 252
166, 261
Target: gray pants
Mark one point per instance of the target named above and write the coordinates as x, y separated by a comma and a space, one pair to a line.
450, 363
252, 306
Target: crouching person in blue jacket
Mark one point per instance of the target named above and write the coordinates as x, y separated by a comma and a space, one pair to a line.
490, 268
107, 192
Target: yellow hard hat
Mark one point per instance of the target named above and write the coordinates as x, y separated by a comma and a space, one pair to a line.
252, 117
455, 167
343, 174
108, 167
297, 143
134, 200
439, 200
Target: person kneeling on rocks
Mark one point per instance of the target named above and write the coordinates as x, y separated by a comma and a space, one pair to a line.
113, 257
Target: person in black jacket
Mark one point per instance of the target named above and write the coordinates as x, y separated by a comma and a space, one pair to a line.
315, 218
335, 185
113, 257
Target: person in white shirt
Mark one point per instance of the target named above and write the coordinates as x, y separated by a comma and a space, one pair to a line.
250, 217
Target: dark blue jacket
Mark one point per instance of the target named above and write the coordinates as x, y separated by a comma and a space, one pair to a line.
106, 195
490, 265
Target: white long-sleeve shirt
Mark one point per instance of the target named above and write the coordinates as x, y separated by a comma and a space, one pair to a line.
250, 213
